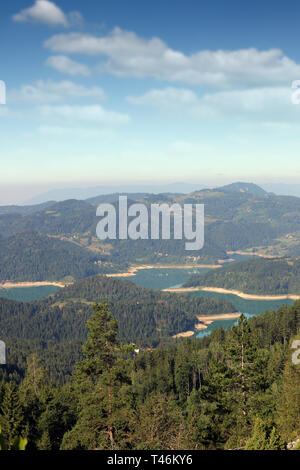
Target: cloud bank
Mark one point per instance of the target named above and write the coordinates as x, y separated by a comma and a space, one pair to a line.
66, 65
42, 91
127, 54
259, 104
85, 114
46, 12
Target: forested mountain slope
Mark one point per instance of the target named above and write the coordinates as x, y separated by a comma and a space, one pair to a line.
59, 218
237, 217
235, 389
255, 276
25, 210
55, 325
30, 256
240, 187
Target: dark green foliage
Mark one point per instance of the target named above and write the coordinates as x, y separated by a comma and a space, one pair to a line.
255, 276
264, 438
57, 418
55, 326
289, 402
34, 394
101, 383
232, 390
234, 221
30, 256
60, 218
11, 417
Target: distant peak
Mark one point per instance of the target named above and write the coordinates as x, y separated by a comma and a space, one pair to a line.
249, 188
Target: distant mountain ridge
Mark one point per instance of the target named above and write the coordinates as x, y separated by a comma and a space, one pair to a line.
25, 210
131, 190
239, 187
93, 192
237, 217
88, 193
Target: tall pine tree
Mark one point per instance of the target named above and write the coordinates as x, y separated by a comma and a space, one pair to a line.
102, 383
11, 417
289, 403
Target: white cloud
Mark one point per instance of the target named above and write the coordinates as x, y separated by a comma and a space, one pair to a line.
262, 104
44, 11
130, 55
258, 105
66, 65
85, 114
165, 98
117, 42
52, 92
257, 100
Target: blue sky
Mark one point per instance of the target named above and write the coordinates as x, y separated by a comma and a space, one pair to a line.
160, 91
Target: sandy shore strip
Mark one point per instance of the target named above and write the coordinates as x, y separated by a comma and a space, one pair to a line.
11, 285
205, 321
134, 269
185, 334
198, 327
208, 319
243, 295
247, 253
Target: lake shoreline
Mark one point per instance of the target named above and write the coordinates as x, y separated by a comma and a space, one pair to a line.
243, 295
246, 253
131, 272
205, 321
218, 316
12, 285
134, 269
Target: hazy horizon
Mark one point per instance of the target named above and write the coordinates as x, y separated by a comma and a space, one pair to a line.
29, 194
155, 92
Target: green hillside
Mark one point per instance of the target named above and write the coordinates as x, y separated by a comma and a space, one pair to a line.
55, 326
255, 276
236, 389
239, 187
30, 256
237, 217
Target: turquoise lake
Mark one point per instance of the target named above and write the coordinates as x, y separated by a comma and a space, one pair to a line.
167, 278
27, 294
164, 279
